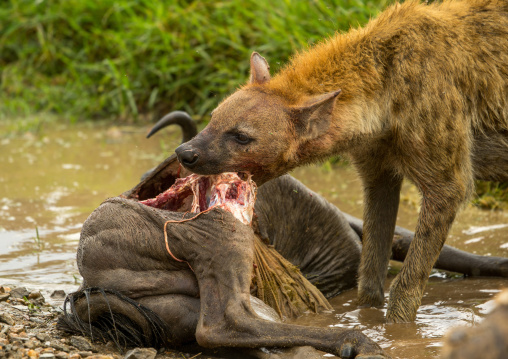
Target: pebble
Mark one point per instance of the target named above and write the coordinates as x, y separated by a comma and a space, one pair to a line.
35, 295
58, 294
19, 292
47, 356
4, 296
32, 344
60, 346
61, 355
43, 337
17, 329
81, 343
141, 353
7, 319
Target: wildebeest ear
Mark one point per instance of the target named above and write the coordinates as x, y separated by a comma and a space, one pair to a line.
313, 118
259, 69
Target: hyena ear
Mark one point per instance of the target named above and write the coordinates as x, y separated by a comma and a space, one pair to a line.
313, 118
259, 69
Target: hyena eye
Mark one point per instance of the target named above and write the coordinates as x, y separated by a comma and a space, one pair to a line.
242, 138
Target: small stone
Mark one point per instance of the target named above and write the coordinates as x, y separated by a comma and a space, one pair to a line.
4, 289
3, 341
43, 337
36, 298
4, 296
85, 354
18, 337
37, 320
59, 346
47, 356
19, 292
7, 319
32, 354
75, 356
58, 294
36, 294
141, 353
17, 329
81, 343
30, 344
61, 355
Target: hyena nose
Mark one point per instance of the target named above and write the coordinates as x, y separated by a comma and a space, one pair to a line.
187, 156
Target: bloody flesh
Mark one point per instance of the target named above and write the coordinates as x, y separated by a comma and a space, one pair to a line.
196, 194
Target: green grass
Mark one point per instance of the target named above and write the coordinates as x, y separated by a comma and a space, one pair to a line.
124, 59
491, 195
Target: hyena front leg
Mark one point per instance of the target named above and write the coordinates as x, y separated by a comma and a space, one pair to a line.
442, 196
382, 193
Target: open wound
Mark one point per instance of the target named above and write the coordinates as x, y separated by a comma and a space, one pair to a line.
231, 191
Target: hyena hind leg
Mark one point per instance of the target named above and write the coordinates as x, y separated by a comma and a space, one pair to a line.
490, 157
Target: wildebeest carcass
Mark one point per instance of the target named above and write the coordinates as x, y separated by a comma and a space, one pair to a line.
136, 292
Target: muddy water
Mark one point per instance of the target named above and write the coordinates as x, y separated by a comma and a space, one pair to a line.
50, 181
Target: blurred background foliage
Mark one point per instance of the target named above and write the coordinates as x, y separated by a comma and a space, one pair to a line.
130, 60
126, 61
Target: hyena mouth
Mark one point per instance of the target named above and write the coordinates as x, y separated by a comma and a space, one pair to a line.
231, 191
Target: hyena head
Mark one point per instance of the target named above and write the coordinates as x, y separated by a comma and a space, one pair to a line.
256, 130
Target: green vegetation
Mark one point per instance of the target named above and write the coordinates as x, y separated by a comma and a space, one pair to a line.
491, 195
129, 59
123, 59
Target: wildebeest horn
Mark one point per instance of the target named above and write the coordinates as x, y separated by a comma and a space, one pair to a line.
180, 118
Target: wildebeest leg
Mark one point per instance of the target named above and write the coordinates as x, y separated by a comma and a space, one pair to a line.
221, 251
450, 258
179, 312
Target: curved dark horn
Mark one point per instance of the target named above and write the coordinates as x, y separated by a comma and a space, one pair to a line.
189, 128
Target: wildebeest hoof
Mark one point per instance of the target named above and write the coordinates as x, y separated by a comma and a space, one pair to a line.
358, 345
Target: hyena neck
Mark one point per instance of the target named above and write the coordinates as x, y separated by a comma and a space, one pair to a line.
349, 62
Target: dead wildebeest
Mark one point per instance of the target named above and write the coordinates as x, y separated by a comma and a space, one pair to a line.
421, 92
137, 293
